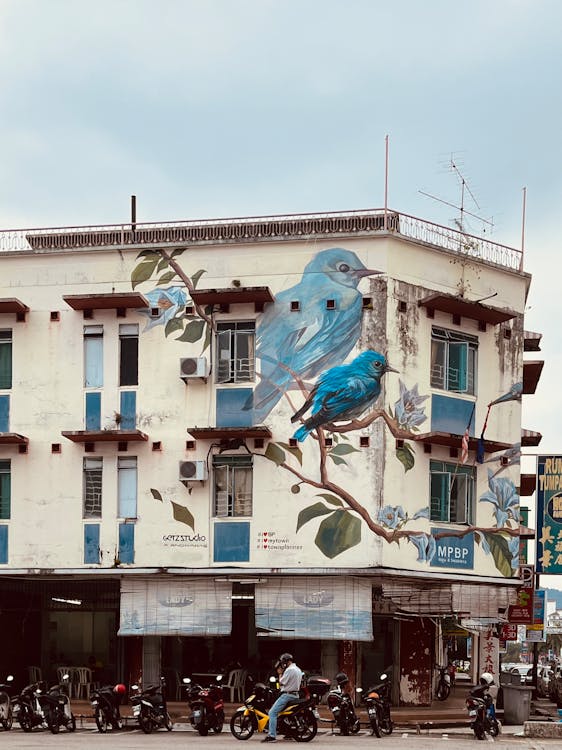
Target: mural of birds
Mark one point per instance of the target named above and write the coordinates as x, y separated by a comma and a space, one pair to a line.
344, 392
510, 457
514, 394
308, 340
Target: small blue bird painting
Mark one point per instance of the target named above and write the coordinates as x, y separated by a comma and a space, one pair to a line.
309, 327
343, 392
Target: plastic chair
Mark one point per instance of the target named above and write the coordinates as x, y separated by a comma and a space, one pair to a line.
173, 683
83, 682
69, 686
235, 684
35, 674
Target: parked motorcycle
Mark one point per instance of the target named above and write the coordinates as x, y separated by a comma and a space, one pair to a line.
340, 704
105, 702
150, 707
443, 688
297, 720
207, 706
27, 710
377, 701
6, 716
55, 705
481, 709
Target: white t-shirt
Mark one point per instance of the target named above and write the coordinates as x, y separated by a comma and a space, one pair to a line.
290, 680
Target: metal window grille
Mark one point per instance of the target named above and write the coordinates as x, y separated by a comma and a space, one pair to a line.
92, 492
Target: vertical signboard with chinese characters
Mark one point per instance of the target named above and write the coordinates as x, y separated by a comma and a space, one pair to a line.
522, 612
549, 514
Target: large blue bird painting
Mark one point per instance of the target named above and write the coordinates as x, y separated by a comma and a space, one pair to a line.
301, 335
343, 392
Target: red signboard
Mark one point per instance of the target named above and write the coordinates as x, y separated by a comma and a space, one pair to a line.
508, 632
522, 612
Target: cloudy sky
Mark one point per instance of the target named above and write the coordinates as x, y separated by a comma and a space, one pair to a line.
208, 108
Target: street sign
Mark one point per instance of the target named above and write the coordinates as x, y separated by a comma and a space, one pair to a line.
508, 632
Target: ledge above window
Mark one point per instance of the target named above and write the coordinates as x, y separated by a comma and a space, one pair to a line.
527, 484
259, 295
13, 438
531, 341
450, 440
120, 301
526, 533
464, 308
229, 433
13, 305
105, 436
532, 370
530, 438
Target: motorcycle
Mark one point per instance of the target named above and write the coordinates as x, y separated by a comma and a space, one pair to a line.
340, 704
150, 707
55, 705
26, 708
105, 702
6, 716
482, 713
297, 721
377, 701
207, 706
443, 688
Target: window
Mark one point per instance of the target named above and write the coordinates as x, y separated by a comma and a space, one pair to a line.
92, 543
452, 492
5, 359
5, 490
236, 352
127, 487
3, 544
126, 543
93, 356
453, 361
128, 354
232, 486
92, 484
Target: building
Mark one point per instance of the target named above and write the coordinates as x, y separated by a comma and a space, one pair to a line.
176, 495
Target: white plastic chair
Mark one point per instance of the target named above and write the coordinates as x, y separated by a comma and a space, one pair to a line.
235, 684
34, 674
83, 682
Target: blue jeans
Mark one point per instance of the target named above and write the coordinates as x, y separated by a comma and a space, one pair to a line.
276, 709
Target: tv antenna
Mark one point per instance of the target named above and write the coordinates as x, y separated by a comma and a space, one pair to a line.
460, 222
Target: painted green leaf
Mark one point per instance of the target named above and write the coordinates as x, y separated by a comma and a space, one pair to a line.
177, 252
313, 511
162, 265
500, 552
182, 514
166, 277
173, 325
274, 453
342, 450
293, 450
143, 271
337, 460
332, 499
337, 533
193, 331
406, 456
196, 276
295, 489
156, 495
148, 254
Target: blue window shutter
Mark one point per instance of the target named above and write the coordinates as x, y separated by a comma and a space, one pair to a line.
93, 411
458, 367
230, 407
128, 410
91, 543
4, 414
126, 542
3, 544
232, 542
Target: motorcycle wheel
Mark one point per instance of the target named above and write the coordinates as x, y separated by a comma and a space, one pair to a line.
374, 721
479, 732
145, 722
169, 724
71, 726
53, 722
243, 725
443, 691
386, 724
101, 720
24, 720
495, 728
203, 730
308, 726
219, 722
8, 721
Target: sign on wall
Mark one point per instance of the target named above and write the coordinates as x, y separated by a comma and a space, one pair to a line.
549, 514
453, 551
521, 613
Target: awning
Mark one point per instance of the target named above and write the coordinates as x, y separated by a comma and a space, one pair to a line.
315, 607
189, 606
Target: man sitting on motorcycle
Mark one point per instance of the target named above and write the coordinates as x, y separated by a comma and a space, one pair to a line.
290, 677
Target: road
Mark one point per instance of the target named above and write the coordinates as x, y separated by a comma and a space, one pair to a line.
132, 739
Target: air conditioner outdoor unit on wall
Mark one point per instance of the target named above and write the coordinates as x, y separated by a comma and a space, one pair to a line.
193, 367
193, 471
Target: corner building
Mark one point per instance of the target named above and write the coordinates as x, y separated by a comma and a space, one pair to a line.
178, 496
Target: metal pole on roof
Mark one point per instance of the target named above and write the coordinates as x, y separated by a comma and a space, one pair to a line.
386, 184
523, 227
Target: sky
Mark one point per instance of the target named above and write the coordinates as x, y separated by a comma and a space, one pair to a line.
217, 108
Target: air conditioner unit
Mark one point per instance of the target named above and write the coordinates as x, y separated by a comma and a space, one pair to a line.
193, 471
193, 367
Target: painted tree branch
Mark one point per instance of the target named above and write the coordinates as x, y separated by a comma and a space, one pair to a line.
189, 285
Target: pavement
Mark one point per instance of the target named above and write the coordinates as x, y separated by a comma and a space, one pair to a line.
442, 717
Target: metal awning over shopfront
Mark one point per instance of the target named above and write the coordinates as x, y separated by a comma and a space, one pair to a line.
186, 606
315, 607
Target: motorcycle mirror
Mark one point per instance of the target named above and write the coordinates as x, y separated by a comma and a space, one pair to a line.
272, 679
219, 677
134, 687
384, 676
358, 690
186, 680
10, 678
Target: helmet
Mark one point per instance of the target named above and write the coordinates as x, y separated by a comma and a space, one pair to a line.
486, 678
342, 678
120, 689
284, 659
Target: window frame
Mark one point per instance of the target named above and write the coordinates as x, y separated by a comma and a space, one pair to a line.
465, 347
6, 497
238, 473
93, 356
89, 466
456, 477
7, 341
128, 354
228, 341
127, 472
